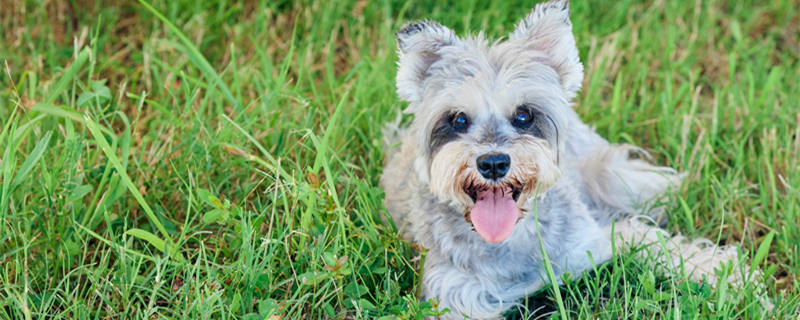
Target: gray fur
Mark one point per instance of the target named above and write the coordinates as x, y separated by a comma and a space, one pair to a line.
582, 181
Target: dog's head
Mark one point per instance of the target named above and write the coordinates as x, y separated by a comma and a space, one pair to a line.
488, 116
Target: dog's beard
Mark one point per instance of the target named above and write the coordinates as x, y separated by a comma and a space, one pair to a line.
494, 207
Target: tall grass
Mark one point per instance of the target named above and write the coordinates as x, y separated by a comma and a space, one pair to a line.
216, 159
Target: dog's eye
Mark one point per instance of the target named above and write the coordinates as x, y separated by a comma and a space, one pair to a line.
522, 118
459, 122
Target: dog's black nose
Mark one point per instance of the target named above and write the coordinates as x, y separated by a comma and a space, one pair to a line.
494, 166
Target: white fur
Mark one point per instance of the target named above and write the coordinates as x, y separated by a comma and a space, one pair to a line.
547, 28
697, 257
586, 182
418, 49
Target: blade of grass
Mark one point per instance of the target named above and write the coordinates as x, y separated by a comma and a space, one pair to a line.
112, 157
73, 69
273, 162
322, 147
147, 236
548, 266
763, 250
115, 245
31, 160
65, 112
196, 57
8, 168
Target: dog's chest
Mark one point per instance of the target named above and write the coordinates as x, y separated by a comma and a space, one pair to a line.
520, 257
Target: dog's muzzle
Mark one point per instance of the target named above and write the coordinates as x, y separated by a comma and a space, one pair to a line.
495, 211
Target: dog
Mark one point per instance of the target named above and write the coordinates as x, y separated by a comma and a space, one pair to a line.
496, 169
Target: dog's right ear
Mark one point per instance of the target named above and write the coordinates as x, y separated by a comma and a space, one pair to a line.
548, 29
418, 46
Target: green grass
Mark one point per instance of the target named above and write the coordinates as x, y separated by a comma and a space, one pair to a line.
220, 160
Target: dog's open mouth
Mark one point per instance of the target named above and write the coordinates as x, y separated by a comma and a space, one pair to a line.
495, 210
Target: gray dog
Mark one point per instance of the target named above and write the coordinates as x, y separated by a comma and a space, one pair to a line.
494, 146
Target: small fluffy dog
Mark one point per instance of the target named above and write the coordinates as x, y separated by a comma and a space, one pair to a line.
495, 145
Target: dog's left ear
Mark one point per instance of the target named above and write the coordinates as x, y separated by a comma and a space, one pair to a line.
419, 45
548, 29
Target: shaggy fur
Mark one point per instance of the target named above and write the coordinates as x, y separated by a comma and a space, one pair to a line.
561, 171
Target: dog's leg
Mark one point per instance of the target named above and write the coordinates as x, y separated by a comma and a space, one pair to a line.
627, 190
487, 288
467, 295
698, 258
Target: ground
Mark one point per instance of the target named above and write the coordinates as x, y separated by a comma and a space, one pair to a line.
187, 159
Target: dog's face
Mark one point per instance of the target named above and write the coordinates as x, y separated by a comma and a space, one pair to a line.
488, 117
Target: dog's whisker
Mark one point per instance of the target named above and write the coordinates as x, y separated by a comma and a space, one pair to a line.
557, 148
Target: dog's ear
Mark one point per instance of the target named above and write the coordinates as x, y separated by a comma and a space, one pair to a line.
418, 45
548, 29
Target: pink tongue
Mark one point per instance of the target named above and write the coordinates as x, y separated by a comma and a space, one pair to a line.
494, 215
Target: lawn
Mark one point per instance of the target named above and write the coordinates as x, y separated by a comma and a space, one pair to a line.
215, 159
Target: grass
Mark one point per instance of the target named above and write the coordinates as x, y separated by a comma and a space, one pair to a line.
182, 159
